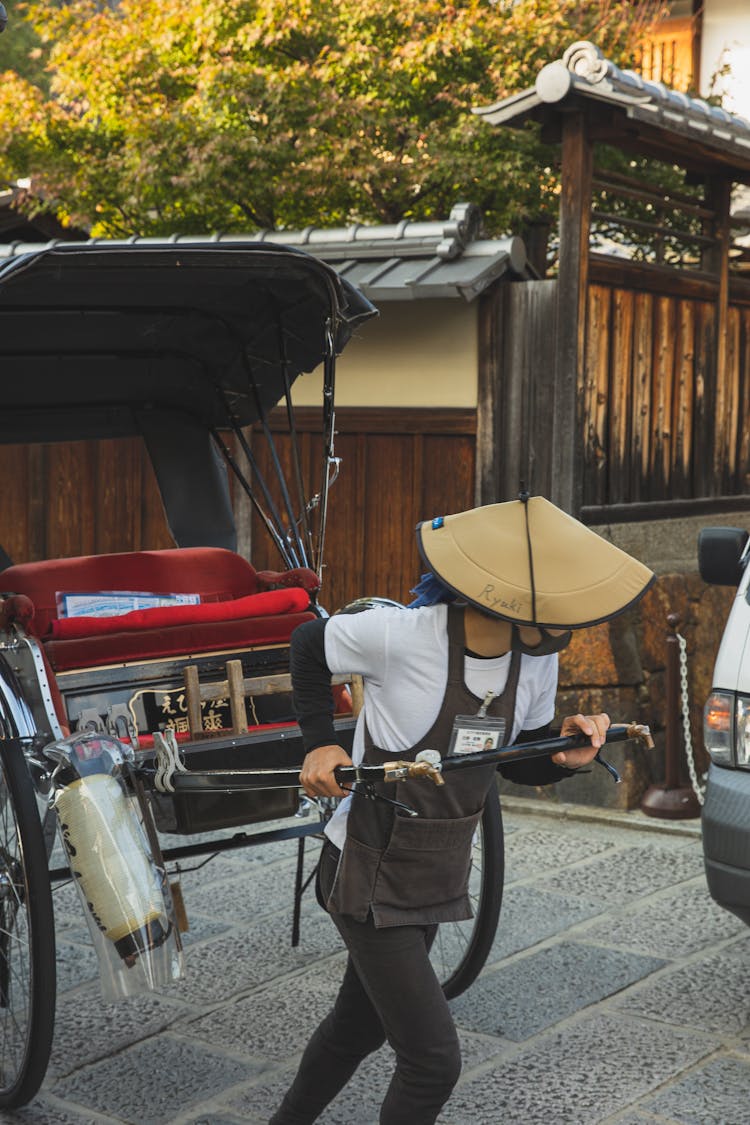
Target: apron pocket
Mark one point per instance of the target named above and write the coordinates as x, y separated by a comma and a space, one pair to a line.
355, 879
426, 863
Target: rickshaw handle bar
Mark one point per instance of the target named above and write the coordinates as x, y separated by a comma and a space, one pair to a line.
430, 765
394, 771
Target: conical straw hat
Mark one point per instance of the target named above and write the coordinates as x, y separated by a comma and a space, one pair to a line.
529, 562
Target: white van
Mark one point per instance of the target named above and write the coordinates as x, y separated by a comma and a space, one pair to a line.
724, 559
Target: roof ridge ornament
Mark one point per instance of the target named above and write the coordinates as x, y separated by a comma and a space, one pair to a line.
463, 226
586, 61
583, 68
677, 119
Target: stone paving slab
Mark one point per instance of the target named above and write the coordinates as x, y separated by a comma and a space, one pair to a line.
717, 1092
641, 1119
234, 963
711, 993
527, 854
530, 915
67, 905
214, 1119
680, 922
272, 1024
578, 1076
252, 893
627, 874
87, 1029
44, 1112
76, 963
137, 1086
532, 993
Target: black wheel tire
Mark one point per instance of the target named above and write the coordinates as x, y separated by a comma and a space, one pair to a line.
27, 935
461, 948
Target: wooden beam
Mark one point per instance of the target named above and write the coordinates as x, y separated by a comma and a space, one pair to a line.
382, 420
575, 207
650, 278
489, 344
254, 685
671, 509
716, 261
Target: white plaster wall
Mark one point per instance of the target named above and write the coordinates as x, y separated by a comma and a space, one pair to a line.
416, 353
726, 40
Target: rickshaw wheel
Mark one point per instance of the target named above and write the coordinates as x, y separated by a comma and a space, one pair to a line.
460, 949
27, 943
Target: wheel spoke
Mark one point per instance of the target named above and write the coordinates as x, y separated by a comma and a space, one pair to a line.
27, 956
15, 950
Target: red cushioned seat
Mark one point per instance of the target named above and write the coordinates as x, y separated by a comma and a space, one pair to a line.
217, 575
212, 572
180, 640
269, 603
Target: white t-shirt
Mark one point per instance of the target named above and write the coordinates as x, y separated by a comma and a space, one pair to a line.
402, 654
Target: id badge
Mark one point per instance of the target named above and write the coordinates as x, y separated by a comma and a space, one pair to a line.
475, 734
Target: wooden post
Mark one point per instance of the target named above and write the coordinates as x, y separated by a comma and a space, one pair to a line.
193, 700
572, 292
716, 261
488, 480
236, 685
516, 387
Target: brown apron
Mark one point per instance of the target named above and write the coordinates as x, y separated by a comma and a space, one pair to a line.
415, 870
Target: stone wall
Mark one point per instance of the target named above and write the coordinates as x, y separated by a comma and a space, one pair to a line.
620, 666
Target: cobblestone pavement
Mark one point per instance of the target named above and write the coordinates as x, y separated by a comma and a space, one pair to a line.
615, 992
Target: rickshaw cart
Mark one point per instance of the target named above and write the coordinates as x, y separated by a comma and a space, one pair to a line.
189, 345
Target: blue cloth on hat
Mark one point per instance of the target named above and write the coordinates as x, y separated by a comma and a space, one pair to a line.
430, 591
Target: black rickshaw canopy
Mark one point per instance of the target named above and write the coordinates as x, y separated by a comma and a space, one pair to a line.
93, 333
175, 342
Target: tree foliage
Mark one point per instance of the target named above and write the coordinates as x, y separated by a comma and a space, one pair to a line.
21, 49
183, 115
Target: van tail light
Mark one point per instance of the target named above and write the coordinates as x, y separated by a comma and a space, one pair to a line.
718, 716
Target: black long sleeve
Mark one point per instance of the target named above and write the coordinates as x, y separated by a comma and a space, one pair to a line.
534, 771
311, 685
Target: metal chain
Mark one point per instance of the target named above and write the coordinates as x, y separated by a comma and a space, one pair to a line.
698, 788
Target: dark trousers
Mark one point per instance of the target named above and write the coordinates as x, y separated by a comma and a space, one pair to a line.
389, 991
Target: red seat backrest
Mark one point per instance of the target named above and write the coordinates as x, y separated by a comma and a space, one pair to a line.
214, 573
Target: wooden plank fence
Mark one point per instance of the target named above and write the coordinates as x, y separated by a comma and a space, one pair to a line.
662, 409
659, 423
78, 498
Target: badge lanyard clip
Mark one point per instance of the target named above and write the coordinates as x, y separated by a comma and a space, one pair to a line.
485, 704
473, 733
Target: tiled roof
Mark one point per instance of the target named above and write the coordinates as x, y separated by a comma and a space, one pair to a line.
584, 76
399, 261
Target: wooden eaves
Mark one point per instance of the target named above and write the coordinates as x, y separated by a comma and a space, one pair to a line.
624, 109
